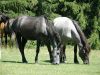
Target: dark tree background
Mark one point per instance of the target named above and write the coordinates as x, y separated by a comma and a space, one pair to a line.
86, 12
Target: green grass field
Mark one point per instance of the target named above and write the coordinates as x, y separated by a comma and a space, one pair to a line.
10, 63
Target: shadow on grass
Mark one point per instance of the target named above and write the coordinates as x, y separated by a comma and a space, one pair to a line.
66, 63
16, 62
47, 61
44, 62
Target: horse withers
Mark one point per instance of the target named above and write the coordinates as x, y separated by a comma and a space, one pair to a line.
36, 28
69, 30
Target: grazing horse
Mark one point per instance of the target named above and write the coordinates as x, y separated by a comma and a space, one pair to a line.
9, 32
69, 30
36, 28
3, 23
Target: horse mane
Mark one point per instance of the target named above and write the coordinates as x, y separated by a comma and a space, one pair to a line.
82, 36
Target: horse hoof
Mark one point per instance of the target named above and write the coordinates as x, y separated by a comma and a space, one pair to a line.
25, 62
87, 62
62, 62
76, 62
55, 63
36, 62
51, 61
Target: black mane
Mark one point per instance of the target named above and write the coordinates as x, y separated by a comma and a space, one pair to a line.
82, 36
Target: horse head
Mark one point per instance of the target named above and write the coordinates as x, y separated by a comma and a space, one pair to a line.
85, 47
84, 53
3, 18
55, 41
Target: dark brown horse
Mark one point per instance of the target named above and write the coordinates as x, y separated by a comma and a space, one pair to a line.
10, 33
36, 28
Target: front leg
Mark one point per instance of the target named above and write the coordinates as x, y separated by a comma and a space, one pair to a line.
37, 51
62, 54
56, 54
50, 52
75, 54
5, 39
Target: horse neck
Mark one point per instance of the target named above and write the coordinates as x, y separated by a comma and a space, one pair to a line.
6, 26
81, 34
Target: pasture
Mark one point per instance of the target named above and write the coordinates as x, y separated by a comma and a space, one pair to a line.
10, 63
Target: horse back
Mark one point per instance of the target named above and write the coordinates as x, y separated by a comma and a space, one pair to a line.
30, 26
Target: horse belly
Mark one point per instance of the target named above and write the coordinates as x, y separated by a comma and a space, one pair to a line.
65, 39
29, 34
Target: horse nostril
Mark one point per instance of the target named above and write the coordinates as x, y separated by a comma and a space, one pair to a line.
57, 53
57, 63
85, 63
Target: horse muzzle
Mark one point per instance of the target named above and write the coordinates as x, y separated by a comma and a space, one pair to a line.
56, 59
86, 62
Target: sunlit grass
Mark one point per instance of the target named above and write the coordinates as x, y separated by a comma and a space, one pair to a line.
11, 63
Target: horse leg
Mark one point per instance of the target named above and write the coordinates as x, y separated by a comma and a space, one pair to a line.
37, 51
5, 39
1, 39
75, 54
50, 52
21, 44
12, 37
63, 55
0, 42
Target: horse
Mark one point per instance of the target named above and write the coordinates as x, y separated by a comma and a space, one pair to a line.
9, 32
3, 21
69, 30
39, 29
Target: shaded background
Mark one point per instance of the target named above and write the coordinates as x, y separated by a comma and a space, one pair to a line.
86, 12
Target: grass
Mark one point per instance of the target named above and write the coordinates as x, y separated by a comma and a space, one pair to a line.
10, 63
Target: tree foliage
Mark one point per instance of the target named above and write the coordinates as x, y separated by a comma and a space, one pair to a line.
86, 12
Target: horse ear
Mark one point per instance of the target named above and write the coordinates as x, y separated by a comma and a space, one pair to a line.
4, 18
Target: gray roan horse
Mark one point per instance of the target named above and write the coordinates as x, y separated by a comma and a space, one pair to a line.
69, 30
36, 28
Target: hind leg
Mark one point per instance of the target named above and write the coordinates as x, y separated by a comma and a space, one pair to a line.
37, 51
75, 54
21, 44
5, 39
12, 39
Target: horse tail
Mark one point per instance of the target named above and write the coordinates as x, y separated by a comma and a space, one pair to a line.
14, 24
